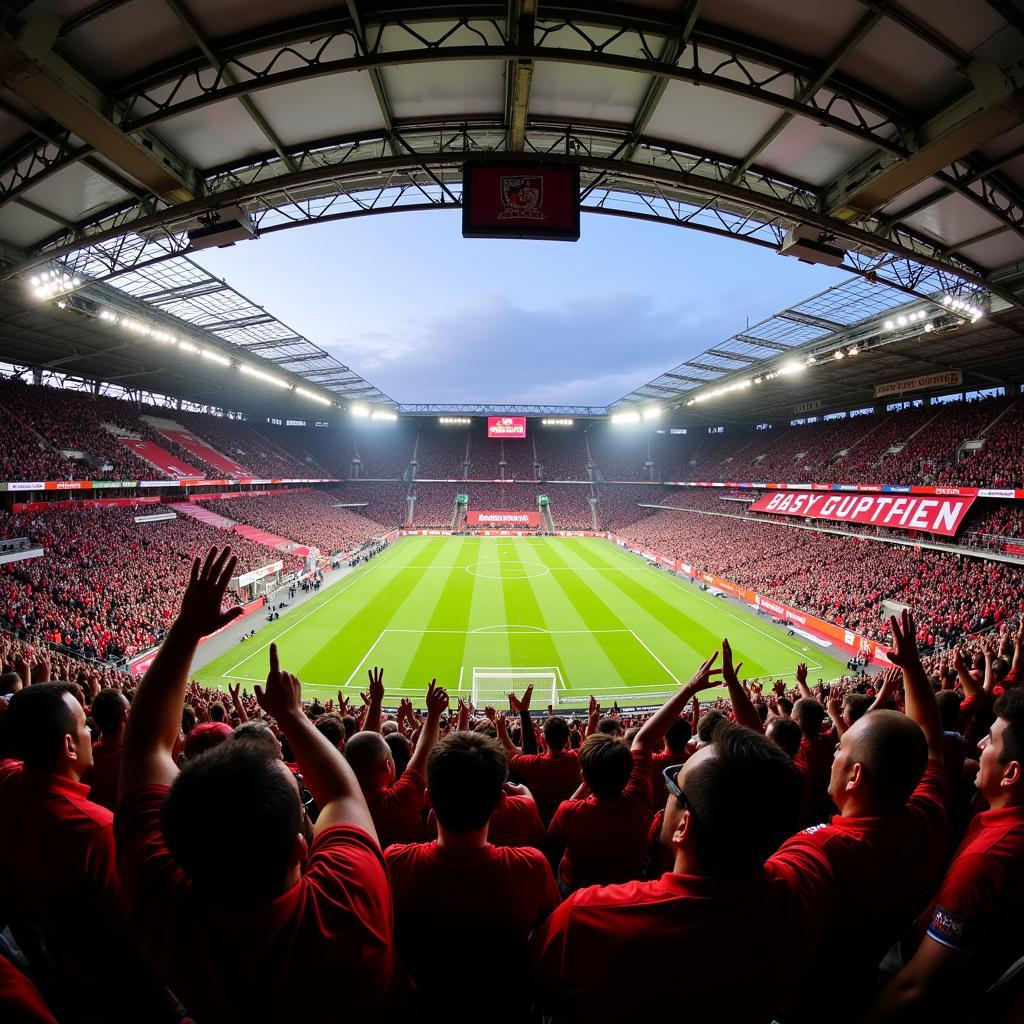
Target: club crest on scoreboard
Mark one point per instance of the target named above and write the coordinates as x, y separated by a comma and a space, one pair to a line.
522, 196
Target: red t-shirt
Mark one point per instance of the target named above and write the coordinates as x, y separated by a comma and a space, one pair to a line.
605, 840
515, 822
608, 952
58, 867
550, 777
20, 1001
470, 908
814, 763
397, 811
885, 867
105, 774
659, 762
980, 904
271, 963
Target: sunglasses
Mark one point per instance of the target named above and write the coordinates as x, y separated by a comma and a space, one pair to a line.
671, 777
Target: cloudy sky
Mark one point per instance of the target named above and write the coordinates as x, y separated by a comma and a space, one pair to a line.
428, 316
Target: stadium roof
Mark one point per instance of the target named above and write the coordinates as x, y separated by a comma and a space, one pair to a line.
890, 131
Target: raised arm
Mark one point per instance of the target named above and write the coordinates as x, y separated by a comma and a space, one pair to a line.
529, 737
921, 705
593, 715
835, 710
967, 681
437, 705
155, 716
886, 696
652, 732
374, 698
243, 715
742, 708
324, 770
801, 680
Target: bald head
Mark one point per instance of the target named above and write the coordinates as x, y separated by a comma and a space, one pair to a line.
892, 752
368, 754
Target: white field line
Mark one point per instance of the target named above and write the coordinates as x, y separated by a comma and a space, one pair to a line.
362, 661
497, 631
302, 618
462, 669
656, 658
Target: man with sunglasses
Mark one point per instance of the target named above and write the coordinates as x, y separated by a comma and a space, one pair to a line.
730, 805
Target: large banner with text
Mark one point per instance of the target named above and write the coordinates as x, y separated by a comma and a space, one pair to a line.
941, 514
503, 519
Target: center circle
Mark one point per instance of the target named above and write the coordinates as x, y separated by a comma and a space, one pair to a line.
505, 571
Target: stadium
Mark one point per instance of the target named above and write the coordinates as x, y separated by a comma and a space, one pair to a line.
320, 700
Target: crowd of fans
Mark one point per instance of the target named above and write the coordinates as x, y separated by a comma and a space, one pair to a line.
382, 501
247, 446
271, 856
841, 579
106, 587
310, 517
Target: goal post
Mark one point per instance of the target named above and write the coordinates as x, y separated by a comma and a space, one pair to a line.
490, 685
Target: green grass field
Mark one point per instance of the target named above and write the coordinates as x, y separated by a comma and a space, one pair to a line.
586, 615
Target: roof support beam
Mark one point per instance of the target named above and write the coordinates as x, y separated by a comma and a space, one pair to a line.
683, 376
183, 292
31, 69
810, 321
522, 16
276, 343
708, 367
763, 343
376, 79
853, 38
735, 356
992, 107
184, 15
234, 325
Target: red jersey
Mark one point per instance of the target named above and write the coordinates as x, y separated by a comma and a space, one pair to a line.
814, 763
335, 921
980, 903
473, 908
550, 777
886, 866
659, 762
655, 927
605, 841
515, 822
59, 869
20, 1001
397, 811
105, 774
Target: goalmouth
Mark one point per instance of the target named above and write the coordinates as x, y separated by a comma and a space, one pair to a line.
492, 684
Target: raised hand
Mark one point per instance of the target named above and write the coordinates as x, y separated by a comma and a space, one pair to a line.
514, 703
376, 676
801, 674
729, 674
491, 715
436, 700
201, 612
701, 679
234, 692
283, 695
779, 688
904, 636
524, 701
344, 704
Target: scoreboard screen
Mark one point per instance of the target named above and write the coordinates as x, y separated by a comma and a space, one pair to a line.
506, 426
521, 200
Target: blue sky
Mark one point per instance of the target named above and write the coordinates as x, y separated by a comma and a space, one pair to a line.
428, 316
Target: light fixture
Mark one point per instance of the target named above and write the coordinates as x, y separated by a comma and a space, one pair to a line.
268, 378
558, 422
384, 415
312, 396
790, 367
838, 354
360, 410
454, 421
625, 417
652, 412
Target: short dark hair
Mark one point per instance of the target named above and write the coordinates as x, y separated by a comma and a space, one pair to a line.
708, 723
606, 764
785, 706
1009, 707
218, 713
743, 800
233, 806
857, 705
465, 773
38, 719
333, 728
8, 681
809, 715
610, 726
679, 734
108, 707
556, 732
401, 751
949, 709
351, 727
366, 750
786, 733
258, 736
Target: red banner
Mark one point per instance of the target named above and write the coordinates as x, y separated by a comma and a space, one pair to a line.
941, 515
506, 427
508, 519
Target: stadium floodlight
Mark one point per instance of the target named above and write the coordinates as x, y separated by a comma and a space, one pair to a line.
625, 417
454, 421
383, 415
786, 369
563, 421
838, 354
359, 410
269, 378
652, 412
853, 350
312, 396
215, 357
187, 346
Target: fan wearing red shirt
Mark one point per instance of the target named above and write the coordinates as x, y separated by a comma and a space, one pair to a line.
237, 900
814, 758
887, 845
552, 776
676, 739
973, 929
732, 803
58, 867
110, 713
396, 807
461, 899
20, 1000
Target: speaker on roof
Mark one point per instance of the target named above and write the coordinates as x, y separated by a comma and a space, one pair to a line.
808, 245
221, 228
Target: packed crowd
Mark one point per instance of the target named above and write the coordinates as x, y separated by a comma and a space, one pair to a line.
240, 441
265, 846
841, 579
310, 517
106, 586
382, 501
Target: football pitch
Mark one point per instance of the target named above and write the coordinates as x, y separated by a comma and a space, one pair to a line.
576, 616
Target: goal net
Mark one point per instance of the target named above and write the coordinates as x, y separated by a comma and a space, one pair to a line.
490, 685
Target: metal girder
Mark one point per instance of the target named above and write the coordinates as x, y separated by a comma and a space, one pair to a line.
34, 72
852, 39
183, 292
682, 376
184, 15
706, 366
236, 325
522, 16
376, 81
777, 346
735, 356
810, 321
307, 358
992, 107
256, 346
